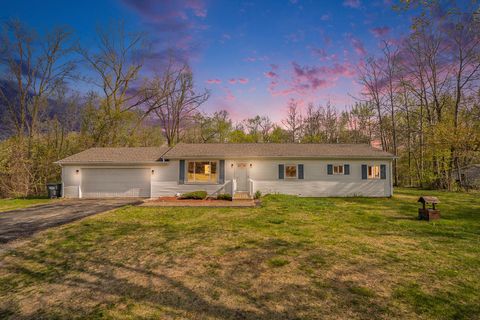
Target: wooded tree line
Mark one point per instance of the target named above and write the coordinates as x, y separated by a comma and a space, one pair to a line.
426, 94
420, 101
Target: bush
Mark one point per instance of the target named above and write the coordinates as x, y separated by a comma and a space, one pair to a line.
199, 195
224, 196
257, 194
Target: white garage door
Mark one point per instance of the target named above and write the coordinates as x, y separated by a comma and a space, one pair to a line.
108, 183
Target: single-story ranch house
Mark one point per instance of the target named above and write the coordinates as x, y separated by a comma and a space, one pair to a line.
312, 170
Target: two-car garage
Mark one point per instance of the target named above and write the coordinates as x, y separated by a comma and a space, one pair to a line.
115, 182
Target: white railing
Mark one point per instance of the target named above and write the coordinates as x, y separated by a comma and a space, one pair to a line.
251, 185
234, 186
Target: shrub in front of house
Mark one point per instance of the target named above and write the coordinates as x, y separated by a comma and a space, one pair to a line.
198, 195
257, 194
224, 196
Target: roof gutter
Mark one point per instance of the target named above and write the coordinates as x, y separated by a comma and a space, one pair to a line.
162, 162
282, 157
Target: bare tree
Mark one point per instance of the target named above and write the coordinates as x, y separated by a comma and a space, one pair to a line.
391, 71
465, 37
293, 122
173, 100
116, 67
311, 124
34, 67
370, 77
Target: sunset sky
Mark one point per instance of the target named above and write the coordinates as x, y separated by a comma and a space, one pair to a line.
254, 56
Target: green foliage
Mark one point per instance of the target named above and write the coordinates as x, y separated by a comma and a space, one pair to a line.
257, 195
224, 196
198, 195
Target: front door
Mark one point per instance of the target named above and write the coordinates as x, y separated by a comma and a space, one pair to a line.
241, 175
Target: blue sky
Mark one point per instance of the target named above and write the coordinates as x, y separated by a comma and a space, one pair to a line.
254, 56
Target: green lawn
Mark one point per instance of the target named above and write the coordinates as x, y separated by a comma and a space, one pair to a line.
292, 258
18, 203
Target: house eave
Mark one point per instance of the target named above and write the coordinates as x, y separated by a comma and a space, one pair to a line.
110, 163
281, 157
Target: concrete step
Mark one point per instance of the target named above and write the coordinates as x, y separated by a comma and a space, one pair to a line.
241, 195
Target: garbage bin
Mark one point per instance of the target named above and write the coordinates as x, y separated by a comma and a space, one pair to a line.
54, 190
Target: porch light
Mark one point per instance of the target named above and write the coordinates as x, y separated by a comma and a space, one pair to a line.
77, 171
251, 165
231, 165
153, 171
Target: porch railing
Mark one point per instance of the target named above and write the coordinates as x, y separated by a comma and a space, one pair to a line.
234, 186
251, 186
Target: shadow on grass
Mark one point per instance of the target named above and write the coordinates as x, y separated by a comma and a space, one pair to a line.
99, 284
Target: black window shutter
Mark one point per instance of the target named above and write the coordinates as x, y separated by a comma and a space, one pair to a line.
364, 172
181, 172
280, 171
383, 171
329, 169
221, 179
300, 171
346, 169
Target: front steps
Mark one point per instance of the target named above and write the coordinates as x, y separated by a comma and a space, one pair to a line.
241, 195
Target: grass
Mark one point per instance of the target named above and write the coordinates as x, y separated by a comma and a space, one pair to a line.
18, 203
291, 258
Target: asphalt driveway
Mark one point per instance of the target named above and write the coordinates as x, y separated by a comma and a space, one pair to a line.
22, 223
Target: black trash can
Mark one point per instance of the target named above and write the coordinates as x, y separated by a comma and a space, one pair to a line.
54, 190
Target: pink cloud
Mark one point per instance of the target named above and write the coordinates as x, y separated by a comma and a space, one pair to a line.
306, 80
358, 46
238, 80
380, 31
270, 74
214, 81
352, 4
323, 55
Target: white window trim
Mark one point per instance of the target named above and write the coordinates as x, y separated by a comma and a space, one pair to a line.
201, 182
338, 173
285, 171
379, 172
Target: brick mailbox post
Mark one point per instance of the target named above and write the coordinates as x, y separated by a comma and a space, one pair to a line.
428, 213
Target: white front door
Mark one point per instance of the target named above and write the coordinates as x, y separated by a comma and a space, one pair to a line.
241, 175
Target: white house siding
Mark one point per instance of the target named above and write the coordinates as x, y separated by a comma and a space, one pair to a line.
165, 181
316, 182
71, 182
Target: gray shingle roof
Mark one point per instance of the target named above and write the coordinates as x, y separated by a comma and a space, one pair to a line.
274, 150
117, 155
230, 150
